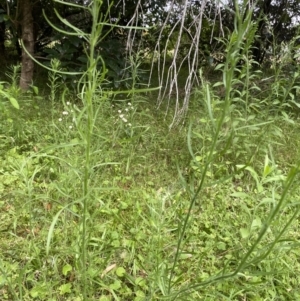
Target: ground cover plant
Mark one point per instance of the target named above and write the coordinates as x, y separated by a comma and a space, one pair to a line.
102, 200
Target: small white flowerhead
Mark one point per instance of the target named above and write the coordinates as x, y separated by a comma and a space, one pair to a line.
124, 119
129, 124
70, 127
126, 110
119, 111
129, 104
65, 113
121, 116
67, 103
59, 119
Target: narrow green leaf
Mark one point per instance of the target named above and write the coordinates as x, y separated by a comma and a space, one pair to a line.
51, 230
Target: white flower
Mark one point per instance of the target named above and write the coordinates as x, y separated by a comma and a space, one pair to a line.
129, 104
124, 119
67, 103
121, 116
129, 124
70, 127
65, 113
126, 110
59, 119
119, 111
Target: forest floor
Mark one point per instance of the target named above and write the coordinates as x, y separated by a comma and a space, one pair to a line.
143, 179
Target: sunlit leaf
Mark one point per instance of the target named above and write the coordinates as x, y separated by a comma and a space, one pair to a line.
14, 102
120, 271
66, 269
244, 232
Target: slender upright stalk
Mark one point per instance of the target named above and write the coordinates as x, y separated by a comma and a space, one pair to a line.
234, 45
91, 80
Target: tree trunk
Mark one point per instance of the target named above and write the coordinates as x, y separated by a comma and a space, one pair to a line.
28, 41
2, 39
259, 49
2, 33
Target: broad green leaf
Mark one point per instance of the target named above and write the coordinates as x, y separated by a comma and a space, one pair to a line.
140, 281
221, 246
66, 269
116, 285
120, 271
140, 296
39, 291
256, 223
14, 102
198, 158
244, 232
65, 289
35, 90
267, 170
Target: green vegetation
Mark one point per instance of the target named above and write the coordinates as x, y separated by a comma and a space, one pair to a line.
138, 202
102, 200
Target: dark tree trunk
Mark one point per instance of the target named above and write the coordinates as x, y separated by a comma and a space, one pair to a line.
2, 39
28, 41
2, 33
259, 49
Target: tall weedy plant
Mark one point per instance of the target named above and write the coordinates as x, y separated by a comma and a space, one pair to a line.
91, 81
89, 87
92, 95
237, 49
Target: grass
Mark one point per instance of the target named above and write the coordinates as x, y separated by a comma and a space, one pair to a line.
140, 193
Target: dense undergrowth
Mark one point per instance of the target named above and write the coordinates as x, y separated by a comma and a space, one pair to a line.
141, 181
101, 200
